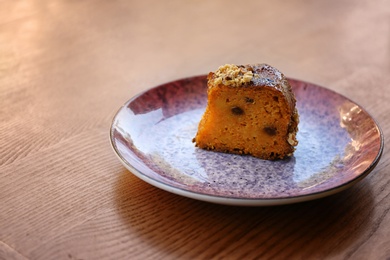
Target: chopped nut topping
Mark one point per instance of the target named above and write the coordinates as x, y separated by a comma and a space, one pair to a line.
232, 75
292, 139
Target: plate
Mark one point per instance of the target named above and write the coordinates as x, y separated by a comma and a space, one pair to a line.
339, 144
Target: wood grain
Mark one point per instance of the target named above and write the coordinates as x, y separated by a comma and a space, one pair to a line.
67, 66
6, 252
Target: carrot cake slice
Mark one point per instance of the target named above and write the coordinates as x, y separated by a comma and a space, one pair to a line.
250, 110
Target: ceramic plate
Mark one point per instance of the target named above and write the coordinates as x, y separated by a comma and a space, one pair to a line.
339, 144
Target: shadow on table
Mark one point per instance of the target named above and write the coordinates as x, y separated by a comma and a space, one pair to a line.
182, 227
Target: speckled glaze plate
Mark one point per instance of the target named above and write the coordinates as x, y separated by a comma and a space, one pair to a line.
339, 144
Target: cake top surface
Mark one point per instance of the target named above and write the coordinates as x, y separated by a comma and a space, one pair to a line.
240, 75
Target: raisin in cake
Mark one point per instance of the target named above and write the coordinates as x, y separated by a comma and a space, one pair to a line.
250, 110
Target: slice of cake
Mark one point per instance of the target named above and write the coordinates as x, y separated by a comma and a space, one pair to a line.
250, 110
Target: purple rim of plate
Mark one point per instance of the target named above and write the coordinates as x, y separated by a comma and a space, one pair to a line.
339, 144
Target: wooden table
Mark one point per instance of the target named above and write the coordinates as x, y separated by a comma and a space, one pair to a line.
67, 66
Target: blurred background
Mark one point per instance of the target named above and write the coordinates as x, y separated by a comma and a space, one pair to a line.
129, 43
